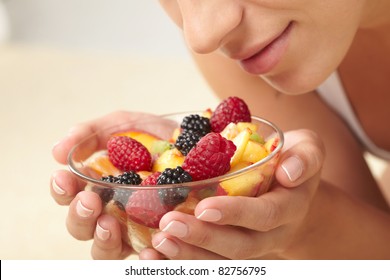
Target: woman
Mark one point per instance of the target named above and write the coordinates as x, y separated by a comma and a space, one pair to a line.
270, 53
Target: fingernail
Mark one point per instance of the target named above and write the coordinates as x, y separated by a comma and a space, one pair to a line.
56, 144
167, 247
176, 228
83, 211
210, 215
102, 234
293, 167
56, 188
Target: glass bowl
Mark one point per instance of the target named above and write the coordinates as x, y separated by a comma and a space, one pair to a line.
141, 220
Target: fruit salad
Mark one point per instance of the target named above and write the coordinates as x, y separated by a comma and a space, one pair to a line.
141, 176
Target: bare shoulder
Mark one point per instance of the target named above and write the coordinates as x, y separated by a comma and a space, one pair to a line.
385, 183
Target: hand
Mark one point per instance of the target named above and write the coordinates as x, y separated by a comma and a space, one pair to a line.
228, 227
85, 219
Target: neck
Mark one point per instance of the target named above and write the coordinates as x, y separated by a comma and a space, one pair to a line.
376, 14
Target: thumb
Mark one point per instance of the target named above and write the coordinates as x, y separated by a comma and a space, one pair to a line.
302, 157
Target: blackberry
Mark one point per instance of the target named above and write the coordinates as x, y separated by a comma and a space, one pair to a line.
174, 176
196, 123
121, 197
106, 194
126, 178
173, 196
187, 140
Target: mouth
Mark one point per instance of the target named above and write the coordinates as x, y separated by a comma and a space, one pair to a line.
268, 56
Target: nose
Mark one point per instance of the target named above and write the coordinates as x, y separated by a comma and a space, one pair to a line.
207, 23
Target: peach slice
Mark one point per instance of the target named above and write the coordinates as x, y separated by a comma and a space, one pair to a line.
116, 210
254, 152
244, 184
271, 144
243, 125
175, 134
230, 131
241, 141
144, 174
102, 165
207, 113
144, 138
233, 129
168, 159
140, 236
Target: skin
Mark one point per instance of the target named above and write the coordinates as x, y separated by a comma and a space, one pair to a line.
333, 207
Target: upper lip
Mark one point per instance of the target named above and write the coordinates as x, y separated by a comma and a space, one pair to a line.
257, 48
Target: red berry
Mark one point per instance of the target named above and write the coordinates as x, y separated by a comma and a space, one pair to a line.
145, 207
210, 157
151, 180
232, 109
128, 154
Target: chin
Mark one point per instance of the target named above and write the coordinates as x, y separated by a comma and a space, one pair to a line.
296, 83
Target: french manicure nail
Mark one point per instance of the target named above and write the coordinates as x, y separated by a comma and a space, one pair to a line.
57, 188
102, 234
210, 215
293, 167
83, 211
176, 228
167, 247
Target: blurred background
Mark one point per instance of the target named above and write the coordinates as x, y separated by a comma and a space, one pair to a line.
64, 62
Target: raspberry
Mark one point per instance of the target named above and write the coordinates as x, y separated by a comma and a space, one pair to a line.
196, 123
151, 180
187, 140
232, 109
128, 154
210, 157
144, 207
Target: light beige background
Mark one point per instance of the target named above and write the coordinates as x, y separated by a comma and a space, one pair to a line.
61, 68
48, 85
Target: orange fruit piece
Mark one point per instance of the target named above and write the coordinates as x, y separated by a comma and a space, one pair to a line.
103, 166
112, 208
140, 236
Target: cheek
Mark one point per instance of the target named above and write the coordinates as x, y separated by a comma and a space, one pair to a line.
314, 52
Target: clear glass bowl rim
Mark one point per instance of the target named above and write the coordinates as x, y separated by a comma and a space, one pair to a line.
194, 184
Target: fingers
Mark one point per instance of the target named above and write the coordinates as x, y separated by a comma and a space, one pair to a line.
264, 213
64, 186
193, 232
237, 227
150, 254
108, 243
139, 121
303, 156
61, 149
85, 221
185, 237
84, 210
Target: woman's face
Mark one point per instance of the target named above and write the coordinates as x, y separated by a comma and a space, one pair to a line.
292, 44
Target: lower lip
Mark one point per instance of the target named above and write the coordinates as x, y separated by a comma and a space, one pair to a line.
265, 60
